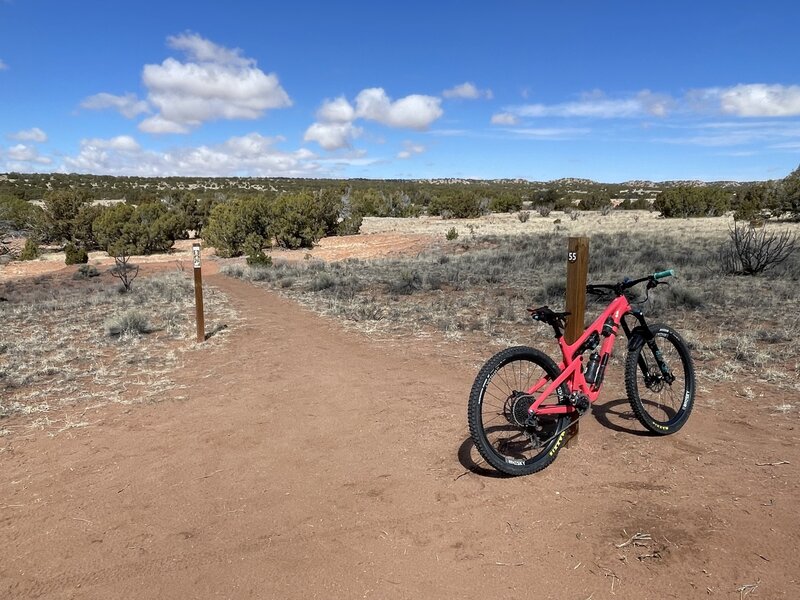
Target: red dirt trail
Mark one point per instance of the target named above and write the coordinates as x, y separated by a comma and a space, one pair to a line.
308, 461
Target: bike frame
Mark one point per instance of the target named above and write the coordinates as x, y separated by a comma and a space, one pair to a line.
572, 361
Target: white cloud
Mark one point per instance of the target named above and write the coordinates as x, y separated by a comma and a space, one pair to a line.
3, 66
467, 91
597, 105
410, 149
158, 124
215, 83
30, 135
760, 100
553, 133
332, 136
128, 105
336, 111
411, 112
335, 127
22, 153
504, 119
252, 154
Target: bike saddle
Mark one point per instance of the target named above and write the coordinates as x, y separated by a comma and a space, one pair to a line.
546, 315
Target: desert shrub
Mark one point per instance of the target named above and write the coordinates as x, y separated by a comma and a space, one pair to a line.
60, 212
751, 250
544, 209
231, 222
86, 271
31, 250
505, 202
123, 269
74, 255
788, 195
451, 234
523, 216
145, 229
17, 215
606, 209
596, 201
254, 249
460, 204
129, 322
406, 282
572, 213
297, 222
685, 201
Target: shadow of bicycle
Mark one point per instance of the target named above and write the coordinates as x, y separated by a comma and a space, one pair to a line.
617, 415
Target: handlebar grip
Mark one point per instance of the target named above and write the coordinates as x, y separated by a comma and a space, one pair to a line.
662, 274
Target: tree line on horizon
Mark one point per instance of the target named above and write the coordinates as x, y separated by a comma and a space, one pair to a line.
243, 215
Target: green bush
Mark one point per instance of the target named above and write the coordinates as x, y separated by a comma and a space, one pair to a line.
685, 201
460, 204
30, 251
231, 222
297, 221
254, 249
451, 234
134, 230
505, 202
86, 272
74, 255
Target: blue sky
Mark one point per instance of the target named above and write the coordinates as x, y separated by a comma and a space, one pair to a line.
609, 91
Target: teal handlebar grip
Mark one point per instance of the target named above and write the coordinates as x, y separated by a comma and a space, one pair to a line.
662, 274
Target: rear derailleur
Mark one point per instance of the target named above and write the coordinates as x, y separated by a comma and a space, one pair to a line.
580, 401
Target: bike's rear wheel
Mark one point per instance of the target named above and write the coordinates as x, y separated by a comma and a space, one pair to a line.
660, 388
498, 410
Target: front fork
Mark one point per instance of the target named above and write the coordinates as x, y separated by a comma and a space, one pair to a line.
643, 329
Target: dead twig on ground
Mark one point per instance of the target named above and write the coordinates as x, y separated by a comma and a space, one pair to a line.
746, 589
636, 540
772, 464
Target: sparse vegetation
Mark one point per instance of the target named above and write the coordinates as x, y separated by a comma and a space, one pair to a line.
60, 345
752, 250
482, 286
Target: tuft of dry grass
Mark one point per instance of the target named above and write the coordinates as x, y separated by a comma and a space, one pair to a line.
80, 343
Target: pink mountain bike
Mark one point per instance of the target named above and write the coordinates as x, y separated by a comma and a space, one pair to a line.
522, 403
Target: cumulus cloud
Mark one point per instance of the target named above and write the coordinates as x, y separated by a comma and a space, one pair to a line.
214, 83
22, 153
467, 91
504, 119
128, 105
336, 111
335, 127
248, 155
410, 149
759, 100
412, 112
30, 135
332, 136
597, 105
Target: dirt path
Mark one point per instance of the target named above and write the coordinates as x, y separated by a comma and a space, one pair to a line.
312, 462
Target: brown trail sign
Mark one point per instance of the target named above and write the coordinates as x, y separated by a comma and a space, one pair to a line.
577, 271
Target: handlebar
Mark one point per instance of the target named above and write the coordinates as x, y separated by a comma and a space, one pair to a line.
619, 288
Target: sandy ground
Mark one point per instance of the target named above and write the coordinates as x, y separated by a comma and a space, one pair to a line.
309, 461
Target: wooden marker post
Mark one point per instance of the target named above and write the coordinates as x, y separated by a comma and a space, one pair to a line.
198, 293
577, 271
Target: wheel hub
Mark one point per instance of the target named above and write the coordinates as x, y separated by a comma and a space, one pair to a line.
516, 409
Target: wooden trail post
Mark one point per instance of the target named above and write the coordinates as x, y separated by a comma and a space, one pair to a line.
198, 293
577, 271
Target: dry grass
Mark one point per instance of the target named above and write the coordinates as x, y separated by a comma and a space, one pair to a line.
81, 343
479, 285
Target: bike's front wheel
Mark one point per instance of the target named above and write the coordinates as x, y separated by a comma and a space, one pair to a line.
501, 428
659, 380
